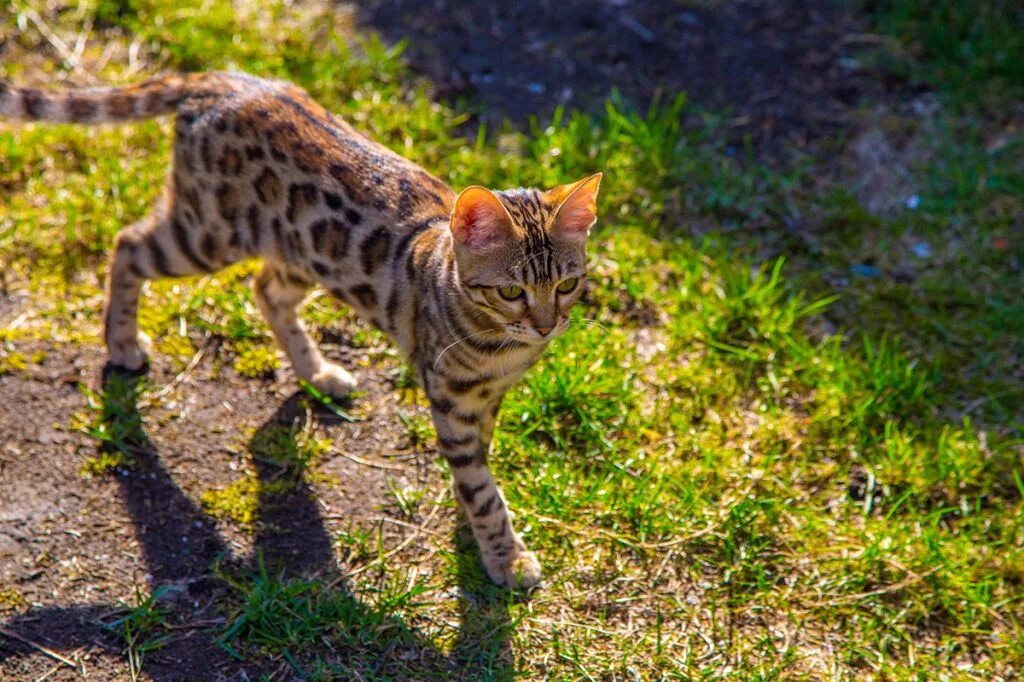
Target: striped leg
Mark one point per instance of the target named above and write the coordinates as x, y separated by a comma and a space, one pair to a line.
152, 248
279, 293
124, 283
464, 438
160, 245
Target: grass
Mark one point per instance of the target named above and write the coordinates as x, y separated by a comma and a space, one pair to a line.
115, 423
283, 458
139, 626
281, 616
759, 455
972, 51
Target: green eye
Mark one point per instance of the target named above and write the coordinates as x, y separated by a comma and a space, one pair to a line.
511, 292
567, 285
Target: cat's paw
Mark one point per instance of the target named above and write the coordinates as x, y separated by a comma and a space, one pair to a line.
334, 380
522, 572
129, 354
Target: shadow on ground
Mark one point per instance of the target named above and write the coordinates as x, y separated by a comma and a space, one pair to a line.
183, 550
777, 64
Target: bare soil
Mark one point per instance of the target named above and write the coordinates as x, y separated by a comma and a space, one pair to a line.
75, 544
786, 71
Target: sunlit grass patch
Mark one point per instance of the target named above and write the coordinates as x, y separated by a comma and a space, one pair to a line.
728, 471
256, 361
281, 616
283, 461
114, 421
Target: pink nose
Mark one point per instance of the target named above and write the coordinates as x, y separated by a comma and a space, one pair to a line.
543, 331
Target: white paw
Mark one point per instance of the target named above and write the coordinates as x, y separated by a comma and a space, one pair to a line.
521, 572
130, 354
334, 380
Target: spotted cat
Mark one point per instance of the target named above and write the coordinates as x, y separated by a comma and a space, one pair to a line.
471, 287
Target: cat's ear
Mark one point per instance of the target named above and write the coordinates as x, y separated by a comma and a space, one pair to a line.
479, 219
577, 208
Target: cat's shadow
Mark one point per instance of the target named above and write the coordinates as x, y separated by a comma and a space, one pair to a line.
181, 547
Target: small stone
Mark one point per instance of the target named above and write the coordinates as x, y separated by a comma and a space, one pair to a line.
922, 250
865, 270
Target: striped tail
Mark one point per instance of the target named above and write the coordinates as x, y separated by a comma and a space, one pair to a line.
153, 97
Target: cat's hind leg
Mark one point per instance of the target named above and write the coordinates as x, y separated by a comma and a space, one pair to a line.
163, 244
279, 292
147, 249
129, 269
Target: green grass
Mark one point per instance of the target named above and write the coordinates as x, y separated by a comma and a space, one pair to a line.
113, 420
139, 627
283, 616
974, 49
746, 460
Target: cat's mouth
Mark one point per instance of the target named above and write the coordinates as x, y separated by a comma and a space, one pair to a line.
533, 335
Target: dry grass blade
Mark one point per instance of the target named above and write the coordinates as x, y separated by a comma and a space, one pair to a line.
71, 57
38, 647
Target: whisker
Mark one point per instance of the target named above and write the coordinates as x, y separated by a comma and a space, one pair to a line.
589, 323
458, 341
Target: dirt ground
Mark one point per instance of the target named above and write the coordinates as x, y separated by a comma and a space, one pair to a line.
785, 70
74, 544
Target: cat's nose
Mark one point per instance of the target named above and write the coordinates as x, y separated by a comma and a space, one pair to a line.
543, 331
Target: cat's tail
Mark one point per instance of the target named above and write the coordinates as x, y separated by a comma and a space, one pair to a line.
153, 97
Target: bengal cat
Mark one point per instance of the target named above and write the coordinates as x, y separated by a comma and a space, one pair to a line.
471, 287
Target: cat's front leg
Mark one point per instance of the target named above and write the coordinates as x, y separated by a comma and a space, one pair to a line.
463, 432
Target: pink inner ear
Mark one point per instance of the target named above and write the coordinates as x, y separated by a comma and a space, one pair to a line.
576, 218
480, 225
579, 211
479, 220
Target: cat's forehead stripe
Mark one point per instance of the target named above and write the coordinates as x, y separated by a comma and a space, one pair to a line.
526, 207
531, 213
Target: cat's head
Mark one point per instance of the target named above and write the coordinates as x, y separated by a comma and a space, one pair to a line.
521, 254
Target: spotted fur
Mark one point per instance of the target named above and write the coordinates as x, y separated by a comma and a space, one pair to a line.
470, 287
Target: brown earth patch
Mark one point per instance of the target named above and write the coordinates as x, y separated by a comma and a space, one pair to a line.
74, 545
787, 71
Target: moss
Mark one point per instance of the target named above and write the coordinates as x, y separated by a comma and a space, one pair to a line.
177, 346
238, 502
256, 362
288, 448
105, 462
12, 361
288, 452
242, 500
12, 600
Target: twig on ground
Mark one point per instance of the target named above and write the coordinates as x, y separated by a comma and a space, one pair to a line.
422, 528
180, 376
70, 57
39, 647
366, 462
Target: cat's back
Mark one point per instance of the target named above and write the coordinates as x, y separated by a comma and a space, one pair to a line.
275, 123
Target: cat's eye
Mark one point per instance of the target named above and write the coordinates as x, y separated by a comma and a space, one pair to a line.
510, 292
567, 286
